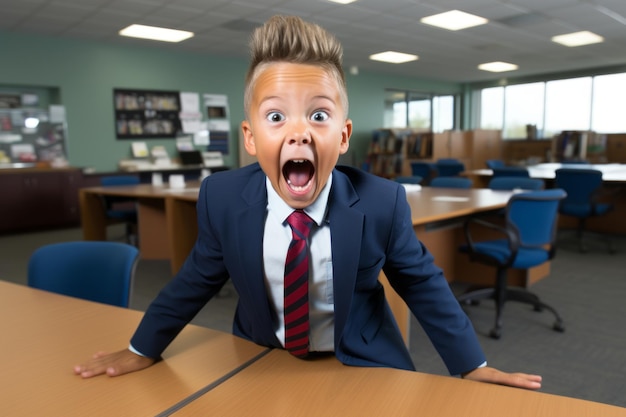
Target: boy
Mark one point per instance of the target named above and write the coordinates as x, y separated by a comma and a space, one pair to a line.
297, 126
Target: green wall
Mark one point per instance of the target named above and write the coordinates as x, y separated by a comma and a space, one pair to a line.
85, 74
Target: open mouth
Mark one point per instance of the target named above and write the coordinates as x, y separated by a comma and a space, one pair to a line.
298, 173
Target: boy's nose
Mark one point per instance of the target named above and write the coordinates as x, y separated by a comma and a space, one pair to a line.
299, 136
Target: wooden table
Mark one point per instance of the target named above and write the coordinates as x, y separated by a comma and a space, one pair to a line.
613, 178
279, 385
45, 334
166, 218
438, 215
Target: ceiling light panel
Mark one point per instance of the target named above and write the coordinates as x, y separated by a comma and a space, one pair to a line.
155, 33
393, 57
454, 20
497, 66
578, 38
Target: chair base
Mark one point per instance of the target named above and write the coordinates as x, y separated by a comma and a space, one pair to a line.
583, 236
500, 296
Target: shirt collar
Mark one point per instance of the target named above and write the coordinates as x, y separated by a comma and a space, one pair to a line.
316, 211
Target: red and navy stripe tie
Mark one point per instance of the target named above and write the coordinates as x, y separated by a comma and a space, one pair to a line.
297, 285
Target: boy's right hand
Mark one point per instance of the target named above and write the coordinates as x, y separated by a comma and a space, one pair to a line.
113, 364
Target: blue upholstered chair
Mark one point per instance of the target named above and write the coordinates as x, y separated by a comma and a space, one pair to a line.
91, 270
584, 198
516, 183
121, 209
425, 170
409, 179
494, 163
451, 182
449, 167
510, 172
527, 240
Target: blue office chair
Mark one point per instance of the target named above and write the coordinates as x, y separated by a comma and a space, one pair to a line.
426, 170
91, 270
528, 240
584, 198
121, 209
510, 172
495, 163
409, 179
451, 182
449, 167
516, 183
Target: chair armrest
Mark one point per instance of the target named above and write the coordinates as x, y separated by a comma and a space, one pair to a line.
509, 232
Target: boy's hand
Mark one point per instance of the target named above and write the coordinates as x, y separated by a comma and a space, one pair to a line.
494, 376
113, 364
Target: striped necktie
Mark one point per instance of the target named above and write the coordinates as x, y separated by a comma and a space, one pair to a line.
297, 285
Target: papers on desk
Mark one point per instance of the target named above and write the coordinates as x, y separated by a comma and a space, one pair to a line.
182, 190
450, 198
412, 187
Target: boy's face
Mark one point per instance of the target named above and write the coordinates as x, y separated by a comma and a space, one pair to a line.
297, 129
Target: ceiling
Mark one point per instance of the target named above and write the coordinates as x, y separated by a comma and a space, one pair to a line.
518, 31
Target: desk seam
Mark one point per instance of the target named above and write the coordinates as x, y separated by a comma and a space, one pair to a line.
212, 385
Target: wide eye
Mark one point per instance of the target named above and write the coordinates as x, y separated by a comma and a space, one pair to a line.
319, 116
275, 117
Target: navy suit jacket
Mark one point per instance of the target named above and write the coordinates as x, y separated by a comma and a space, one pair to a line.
371, 229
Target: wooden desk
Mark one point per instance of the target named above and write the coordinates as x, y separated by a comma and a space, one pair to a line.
45, 334
613, 177
438, 215
611, 173
161, 234
279, 385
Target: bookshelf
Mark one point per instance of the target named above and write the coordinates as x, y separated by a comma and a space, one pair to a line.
579, 145
392, 150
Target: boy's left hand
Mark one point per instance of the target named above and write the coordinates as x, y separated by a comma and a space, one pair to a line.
494, 376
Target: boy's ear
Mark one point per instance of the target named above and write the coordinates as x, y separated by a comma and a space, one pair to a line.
346, 132
248, 138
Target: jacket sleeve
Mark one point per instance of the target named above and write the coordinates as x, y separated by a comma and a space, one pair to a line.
412, 272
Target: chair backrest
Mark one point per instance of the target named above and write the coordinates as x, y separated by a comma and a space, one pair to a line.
494, 163
534, 214
579, 183
99, 271
423, 169
409, 179
514, 183
510, 172
119, 180
451, 182
449, 167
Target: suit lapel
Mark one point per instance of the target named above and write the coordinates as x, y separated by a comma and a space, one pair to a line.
346, 228
249, 228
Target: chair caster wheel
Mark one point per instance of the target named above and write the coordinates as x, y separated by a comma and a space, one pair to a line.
495, 334
558, 326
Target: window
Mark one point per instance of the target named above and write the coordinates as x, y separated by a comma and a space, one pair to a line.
607, 103
568, 105
418, 110
583, 103
443, 113
524, 106
492, 108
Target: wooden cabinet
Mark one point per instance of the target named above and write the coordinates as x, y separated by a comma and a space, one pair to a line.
472, 147
526, 152
616, 148
38, 199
